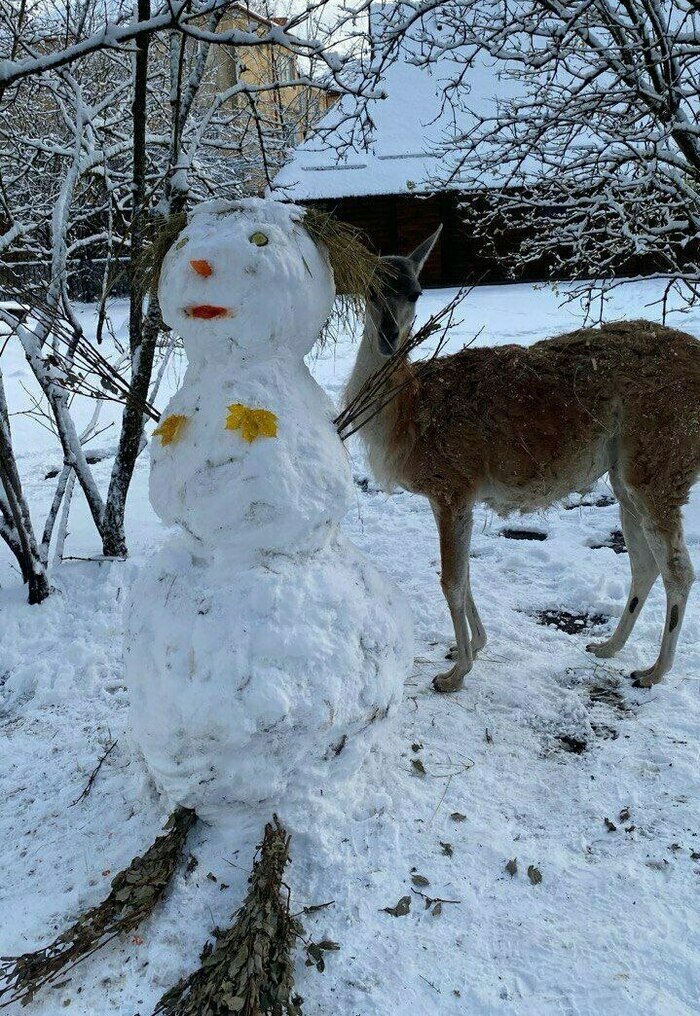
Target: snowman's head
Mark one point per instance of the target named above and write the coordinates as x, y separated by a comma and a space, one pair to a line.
246, 278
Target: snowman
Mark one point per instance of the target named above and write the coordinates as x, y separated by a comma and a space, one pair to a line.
262, 651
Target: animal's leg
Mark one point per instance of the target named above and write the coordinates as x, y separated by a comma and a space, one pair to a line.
476, 627
455, 527
478, 632
669, 549
453, 652
645, 571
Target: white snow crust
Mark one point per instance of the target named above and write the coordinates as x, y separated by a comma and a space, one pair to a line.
612, 929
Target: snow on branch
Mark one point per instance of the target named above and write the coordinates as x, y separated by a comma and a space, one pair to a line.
174, 15
577, 124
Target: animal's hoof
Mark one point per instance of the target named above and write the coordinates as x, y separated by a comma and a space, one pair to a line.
442, 687
451, 681
603, 650
452, 653
645, 678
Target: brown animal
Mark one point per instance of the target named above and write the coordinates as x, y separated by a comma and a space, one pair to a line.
519, 428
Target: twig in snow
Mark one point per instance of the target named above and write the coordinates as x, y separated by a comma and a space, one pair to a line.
439, 804
134, 895
313, 908
93, 775
432, 899
92, 560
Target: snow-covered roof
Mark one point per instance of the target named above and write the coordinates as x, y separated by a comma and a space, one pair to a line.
412, 127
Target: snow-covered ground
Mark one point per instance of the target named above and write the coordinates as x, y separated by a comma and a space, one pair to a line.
528, 761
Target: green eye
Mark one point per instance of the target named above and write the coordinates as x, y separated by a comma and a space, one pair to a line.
181, 243
259, 239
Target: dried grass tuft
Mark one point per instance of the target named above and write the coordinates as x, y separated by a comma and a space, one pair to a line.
357, 271
135, 893
249, 971
359, 274
160, 236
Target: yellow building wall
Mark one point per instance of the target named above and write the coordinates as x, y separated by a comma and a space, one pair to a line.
260, 65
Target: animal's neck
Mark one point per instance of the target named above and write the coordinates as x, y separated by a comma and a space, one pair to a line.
368, 360
383, 435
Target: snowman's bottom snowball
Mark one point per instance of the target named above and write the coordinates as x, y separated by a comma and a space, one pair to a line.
265, 682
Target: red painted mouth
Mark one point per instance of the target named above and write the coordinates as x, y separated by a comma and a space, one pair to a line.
206, 311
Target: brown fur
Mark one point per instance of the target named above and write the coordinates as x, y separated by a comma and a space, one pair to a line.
519, 428
524, 426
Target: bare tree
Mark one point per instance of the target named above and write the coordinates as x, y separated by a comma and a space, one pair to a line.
133, 125
15, 521
597, 133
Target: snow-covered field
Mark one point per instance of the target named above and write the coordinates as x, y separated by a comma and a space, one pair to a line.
546, 755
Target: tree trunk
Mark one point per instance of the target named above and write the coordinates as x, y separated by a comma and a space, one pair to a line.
113, 535
18, 531
142, 335
8, 532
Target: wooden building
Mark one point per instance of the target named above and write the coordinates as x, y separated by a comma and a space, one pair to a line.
393, 189
398, 223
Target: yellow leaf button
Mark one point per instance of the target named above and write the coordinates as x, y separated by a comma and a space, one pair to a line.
252, 423
170, 429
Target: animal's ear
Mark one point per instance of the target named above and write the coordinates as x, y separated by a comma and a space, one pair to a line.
422, 252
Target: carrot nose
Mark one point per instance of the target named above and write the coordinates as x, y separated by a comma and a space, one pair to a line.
202, 268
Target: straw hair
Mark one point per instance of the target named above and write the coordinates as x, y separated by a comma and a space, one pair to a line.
162, 234
357, 271
359, 274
